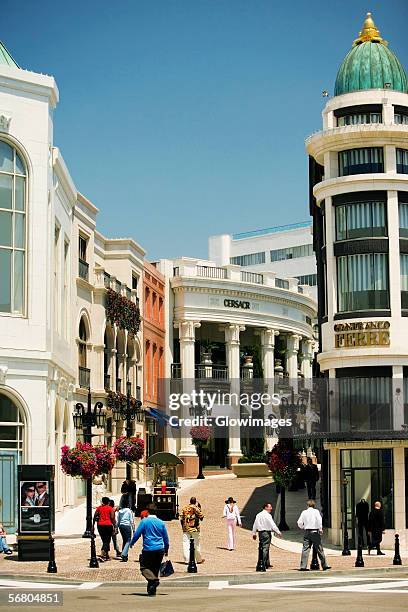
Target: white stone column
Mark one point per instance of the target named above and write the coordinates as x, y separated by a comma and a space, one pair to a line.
307, 357
99, 353
397, 397
187, 360
292, 350
232, 345
268, 336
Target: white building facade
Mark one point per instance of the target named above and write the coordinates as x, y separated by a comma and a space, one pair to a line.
286, 250
359, 176
226, 327
56, 338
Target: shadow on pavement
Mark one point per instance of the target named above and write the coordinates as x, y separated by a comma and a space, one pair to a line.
260, 495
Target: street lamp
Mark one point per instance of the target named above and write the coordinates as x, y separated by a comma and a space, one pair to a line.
85, 419
132, 411
346, 551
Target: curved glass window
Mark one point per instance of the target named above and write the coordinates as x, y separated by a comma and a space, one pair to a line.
404, 280
403, 219
359, 118
402, 161
361, 161
12, 230
362, 282
360, 220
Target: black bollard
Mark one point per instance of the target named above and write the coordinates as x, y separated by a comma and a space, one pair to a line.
52, 566
93, 562
359, 559
192, 565
397, 557
315, 563
260, 566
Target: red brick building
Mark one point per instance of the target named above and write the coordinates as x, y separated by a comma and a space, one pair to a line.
153, 348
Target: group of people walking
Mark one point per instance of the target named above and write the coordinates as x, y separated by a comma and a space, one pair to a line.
111, 520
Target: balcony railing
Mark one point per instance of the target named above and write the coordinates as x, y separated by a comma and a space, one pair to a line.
107, 382
211, 272
84, 377
252, 277
83, 269
281, 283
106, 279
213, 371
119, 385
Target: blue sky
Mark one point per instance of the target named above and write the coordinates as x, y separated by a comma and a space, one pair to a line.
185, 118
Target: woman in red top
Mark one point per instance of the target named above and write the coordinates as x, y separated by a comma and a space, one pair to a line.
104, 517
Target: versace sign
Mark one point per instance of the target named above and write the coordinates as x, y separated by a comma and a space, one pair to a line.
237, 304
362, 333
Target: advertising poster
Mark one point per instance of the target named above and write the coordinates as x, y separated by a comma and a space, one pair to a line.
35, 507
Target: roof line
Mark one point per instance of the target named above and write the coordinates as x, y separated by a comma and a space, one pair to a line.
271, 230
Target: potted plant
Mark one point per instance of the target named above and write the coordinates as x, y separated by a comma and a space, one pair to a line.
206, 347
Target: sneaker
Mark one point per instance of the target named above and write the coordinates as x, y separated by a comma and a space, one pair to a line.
8, 552
379, 552
202, 561
327, 567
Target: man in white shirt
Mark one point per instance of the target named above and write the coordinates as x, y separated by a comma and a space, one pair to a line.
311, 521
264, 525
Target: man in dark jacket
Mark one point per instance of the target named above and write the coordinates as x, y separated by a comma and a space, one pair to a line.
376, 527
129, 488
311, 476
362, 512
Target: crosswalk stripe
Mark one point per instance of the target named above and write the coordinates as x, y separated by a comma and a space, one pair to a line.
46, 586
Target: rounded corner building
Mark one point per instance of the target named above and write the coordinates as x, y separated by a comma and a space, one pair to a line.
359, 202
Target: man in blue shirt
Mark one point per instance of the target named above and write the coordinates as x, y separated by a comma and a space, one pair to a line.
155, 546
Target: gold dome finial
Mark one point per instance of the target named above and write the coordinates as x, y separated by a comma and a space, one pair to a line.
369, 32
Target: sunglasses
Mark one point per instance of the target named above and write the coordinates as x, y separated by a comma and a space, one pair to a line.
30, 490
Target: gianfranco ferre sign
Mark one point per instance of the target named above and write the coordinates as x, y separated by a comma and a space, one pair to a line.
237, 304
362, 333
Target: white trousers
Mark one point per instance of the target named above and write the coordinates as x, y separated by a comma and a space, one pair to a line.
197, 547
231, 524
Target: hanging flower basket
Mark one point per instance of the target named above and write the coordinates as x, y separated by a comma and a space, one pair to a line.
129, 449
117, 400
284, 462
80, 461
200, 435
105, 459
85, 460
122, 311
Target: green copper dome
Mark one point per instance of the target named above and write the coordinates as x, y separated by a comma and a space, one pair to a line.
370, 64
5, 57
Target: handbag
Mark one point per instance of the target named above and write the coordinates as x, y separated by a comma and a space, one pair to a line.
166, 569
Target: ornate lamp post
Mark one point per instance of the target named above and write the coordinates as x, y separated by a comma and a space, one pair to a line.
130, 412
85, 419
346, 551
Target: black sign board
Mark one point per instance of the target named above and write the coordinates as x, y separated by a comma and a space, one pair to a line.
36, 511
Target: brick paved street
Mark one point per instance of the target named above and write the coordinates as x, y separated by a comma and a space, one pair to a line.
72, 558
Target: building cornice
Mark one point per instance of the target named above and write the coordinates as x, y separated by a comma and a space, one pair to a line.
360, 182
271, 296
20, 80
354, 136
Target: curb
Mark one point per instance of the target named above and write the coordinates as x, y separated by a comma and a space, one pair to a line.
195, 580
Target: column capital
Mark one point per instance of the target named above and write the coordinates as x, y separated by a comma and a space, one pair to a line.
232, 332
267, 335
187, 330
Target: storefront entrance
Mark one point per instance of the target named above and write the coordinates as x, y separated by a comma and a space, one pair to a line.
11, 449
369, 476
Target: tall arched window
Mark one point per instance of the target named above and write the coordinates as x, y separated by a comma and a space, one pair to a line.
13, 177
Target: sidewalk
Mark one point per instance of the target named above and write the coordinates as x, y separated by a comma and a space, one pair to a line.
72, 555
293, 539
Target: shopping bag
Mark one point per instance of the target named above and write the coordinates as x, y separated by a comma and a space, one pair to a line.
166, 569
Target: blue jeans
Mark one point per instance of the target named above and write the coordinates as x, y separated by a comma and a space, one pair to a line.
4, 547
126, 533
